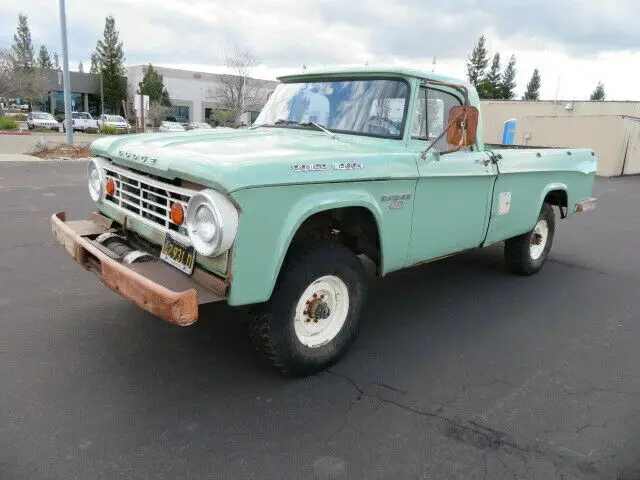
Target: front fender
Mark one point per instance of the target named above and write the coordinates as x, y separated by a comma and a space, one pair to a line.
271, 216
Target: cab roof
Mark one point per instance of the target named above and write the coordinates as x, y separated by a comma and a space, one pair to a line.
394, 70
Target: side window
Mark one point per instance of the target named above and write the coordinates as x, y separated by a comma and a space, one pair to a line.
431, 115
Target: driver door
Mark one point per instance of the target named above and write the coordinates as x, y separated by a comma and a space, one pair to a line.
453, 194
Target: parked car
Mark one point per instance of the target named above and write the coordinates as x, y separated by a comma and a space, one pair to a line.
199, 126
115, 121
42, 120
82, 121
384, 163
171, 127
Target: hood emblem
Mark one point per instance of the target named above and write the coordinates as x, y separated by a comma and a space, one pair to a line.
138, 158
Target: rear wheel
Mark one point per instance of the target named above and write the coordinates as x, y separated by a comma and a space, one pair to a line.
312, 316
527, 253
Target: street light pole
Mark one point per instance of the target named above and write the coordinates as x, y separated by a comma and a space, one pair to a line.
65, 74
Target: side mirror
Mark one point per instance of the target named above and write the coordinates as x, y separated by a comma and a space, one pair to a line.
463, 126
461, 129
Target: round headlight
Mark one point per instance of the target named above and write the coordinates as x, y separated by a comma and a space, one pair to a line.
206, 223
212, 222
95, 176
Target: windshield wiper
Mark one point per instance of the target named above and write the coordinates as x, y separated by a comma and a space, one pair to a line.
325, 130
284, 121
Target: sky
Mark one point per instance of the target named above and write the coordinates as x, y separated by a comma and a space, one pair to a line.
574, 43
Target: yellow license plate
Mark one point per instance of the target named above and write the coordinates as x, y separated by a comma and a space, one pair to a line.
181, 256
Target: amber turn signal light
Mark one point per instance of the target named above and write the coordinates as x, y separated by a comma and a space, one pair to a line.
110, 187
177, 214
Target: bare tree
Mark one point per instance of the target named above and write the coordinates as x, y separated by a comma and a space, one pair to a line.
16, 80
238, 92
157, 113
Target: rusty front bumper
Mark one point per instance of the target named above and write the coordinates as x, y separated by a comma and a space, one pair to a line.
154, 286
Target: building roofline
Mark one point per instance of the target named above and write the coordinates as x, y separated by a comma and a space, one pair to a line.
193, 74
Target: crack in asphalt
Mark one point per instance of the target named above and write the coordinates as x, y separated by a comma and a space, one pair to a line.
474, 434
591, 269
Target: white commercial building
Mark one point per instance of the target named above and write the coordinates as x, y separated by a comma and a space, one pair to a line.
195, 95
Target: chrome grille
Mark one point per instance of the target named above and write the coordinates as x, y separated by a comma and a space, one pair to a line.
146, 198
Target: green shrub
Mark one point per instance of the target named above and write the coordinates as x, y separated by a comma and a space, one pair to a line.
108, 130
7, 123
59, 117
21, 117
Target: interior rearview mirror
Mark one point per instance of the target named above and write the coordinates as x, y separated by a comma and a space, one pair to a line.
463, 126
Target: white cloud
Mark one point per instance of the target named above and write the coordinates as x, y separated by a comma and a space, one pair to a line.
580, 41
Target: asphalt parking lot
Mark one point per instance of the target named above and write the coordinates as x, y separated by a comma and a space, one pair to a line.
461, 371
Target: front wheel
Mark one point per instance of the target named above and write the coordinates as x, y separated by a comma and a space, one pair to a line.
312, 316
527, 253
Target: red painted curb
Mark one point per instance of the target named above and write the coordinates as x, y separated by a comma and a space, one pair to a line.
15, 133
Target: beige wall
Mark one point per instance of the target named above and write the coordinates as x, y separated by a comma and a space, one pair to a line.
496, 112
600, 126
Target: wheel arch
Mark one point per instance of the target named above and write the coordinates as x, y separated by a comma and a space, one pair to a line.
556, 194
316, 205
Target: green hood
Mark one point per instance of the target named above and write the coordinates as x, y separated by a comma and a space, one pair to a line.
230, 160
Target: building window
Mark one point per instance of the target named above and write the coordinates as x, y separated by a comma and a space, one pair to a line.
77, 102
179, 113
45, 103
94, 104
208, 114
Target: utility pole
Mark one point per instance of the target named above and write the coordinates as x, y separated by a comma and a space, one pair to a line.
65, 74
242, 100
101, 94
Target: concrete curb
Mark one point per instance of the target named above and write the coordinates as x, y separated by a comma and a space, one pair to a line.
20, 157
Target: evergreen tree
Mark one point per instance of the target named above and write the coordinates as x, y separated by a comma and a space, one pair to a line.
110, 56
598, 94
56, 61
44, 60
477, 62
508, 83
95, 68
80, 67
490, 86
533, 87
22, 46
152, 84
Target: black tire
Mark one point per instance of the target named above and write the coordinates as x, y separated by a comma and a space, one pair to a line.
518, 252
272, 324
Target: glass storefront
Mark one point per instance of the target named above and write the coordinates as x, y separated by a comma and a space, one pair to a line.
77, 102
179, 113
94, 104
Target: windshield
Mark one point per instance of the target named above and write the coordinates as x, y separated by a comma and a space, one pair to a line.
115, 118
43, 116
365, 107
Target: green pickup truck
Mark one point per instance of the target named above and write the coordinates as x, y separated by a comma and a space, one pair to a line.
342, 167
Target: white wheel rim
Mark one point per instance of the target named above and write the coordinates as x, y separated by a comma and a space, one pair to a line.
321, 311
539, 239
